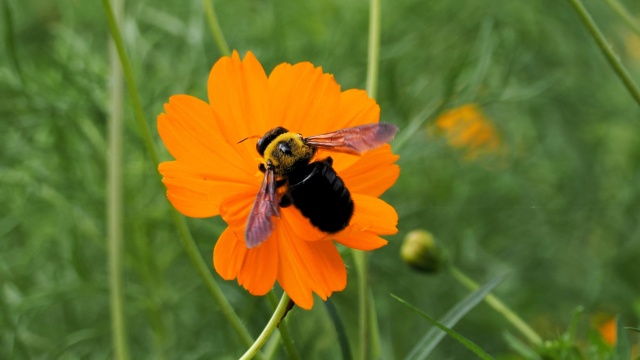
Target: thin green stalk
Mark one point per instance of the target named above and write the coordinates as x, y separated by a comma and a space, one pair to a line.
269, 329
183, 230
625, 15
216, 31
373, 56
360, 259
115, 198
283, 328
606, 49
499, 306
365, 340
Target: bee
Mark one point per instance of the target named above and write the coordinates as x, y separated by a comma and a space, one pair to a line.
313, 187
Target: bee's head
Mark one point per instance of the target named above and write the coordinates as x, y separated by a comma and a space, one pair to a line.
285, 151
271, 135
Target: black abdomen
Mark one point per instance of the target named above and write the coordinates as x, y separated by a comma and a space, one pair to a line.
320, 195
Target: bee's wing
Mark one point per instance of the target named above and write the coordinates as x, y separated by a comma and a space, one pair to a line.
354, 140
260, 225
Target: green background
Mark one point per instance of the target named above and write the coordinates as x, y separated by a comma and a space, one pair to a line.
558, 209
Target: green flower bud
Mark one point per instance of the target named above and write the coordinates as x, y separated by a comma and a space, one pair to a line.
420, 251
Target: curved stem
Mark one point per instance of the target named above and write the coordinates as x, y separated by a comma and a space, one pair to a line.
183, 230
216, 31
115, 199
606, 49
269, 329
499, 306
284, 330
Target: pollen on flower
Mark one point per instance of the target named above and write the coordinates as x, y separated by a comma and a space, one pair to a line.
214, 174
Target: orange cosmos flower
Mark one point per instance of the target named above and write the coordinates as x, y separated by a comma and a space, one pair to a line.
608, 331
466, 127
214, 174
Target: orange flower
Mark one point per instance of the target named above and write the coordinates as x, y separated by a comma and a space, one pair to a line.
213, 174
466, 127
608, 331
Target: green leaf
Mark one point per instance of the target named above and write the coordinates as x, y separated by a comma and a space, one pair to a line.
464, 341
343, 340
632, 329
431, 339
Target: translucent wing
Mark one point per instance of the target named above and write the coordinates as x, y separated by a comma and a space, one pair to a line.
354, 140
260, 225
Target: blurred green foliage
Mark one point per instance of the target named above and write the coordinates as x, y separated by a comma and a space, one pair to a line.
558, 208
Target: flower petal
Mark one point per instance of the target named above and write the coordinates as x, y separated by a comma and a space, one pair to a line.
308, 266
256, 268
373, 173
187, 191
189, 132
229, 254
357, 108
239, 97
370, 214
304, 99
362, 241
260, 267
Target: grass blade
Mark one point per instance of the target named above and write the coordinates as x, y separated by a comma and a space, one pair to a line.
431, 339
464, 341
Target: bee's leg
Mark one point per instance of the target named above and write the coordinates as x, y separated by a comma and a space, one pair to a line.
328, 160
285, 200
262, 168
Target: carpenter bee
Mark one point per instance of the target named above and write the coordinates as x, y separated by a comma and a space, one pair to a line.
313, 187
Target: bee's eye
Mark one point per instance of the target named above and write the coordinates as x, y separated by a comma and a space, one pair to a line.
285, 148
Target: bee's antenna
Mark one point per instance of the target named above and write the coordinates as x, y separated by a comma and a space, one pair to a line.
249, 137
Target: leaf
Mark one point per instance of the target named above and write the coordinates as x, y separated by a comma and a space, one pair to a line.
341, 333
431, 339
464, 341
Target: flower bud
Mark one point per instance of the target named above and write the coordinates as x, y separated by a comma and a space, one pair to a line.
419, 250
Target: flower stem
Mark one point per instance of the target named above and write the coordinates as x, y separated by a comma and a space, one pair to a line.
606, 49
183, 230
625, 15
216, 31
269, 329
499, 306
115, 199
367, 316
285, 334
373, 56
360, 259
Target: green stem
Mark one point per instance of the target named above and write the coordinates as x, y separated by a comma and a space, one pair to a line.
216, 31
115, 198
269, 329
215, 291
183, 230
360, 259
625, 15
606, 49
499, 306
366, 316
284, 330
373, 56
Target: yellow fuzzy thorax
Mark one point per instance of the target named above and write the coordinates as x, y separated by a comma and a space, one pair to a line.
282, 162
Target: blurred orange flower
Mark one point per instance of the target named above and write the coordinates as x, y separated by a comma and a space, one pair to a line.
466, 127
608, 331
213, 174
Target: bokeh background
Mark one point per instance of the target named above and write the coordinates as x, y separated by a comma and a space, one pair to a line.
541, 180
